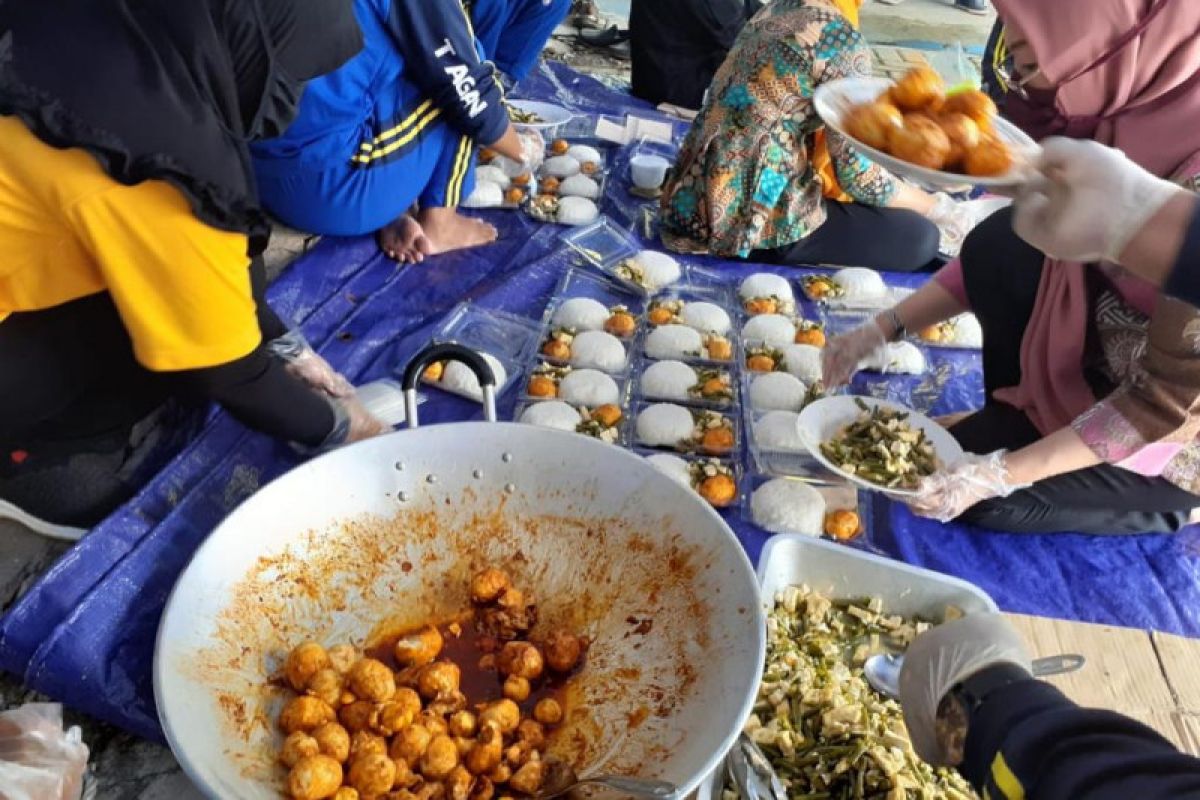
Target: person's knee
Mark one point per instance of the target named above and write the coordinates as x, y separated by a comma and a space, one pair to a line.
1013, 514
918, 240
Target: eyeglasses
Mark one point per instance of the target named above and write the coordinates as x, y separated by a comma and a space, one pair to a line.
1005, 73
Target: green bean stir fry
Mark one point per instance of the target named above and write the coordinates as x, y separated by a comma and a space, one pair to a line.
881, 447
827, 733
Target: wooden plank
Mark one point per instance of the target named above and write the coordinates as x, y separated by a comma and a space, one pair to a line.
1180, 659
1122, 670
1188, 729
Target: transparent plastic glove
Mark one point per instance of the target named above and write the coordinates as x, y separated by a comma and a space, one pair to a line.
533, 148
949, 492
842, 355
954, 221
1088, 202
352, 422
303, 362
38, 759
947, 655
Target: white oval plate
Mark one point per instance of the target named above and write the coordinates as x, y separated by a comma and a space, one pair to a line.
832, 100
821, 421
551, 115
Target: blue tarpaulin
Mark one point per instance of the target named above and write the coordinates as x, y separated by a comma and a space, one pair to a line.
84, 634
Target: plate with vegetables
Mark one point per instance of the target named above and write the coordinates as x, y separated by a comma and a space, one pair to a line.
536, 114
876, 444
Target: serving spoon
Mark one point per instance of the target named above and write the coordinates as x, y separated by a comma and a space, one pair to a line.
561, 779
883, 671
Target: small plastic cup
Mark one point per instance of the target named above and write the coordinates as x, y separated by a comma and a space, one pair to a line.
649, 171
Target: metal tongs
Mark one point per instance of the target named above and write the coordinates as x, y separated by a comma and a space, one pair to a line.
751, 772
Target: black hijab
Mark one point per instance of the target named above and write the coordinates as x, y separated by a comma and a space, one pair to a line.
170, 89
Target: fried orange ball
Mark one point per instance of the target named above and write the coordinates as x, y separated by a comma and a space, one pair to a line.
589, 168
963, 133
818, 289
719, 490
314, 778
365, 743
489, 584
372, 774
872, 123
296, 746
304, 713
931, 334
398, 713
921, 141
550, 185
484, 757
556, 348
660, 316
438, 679
717, 440
541, 386
842, 524
487, 154
760, 363
813, 336
346, 793
918, 90
516, 689
410, 744
522, 179
440, 758
528, 779
333, 741
975, 104
303, 662
328, 685
714, 387
504, 714
620, 324
563, 650
560, 147
342, 657
419, 648
719, 349
548, 711
357, 715
991, 156
514, 195
433, 373
761, 305
372, 680
520, 659
607, 415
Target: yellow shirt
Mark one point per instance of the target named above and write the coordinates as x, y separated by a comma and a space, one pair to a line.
68, 230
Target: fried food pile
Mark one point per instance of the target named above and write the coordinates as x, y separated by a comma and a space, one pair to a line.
916, 121
396, 722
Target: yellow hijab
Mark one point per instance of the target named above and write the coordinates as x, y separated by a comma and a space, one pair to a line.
822, 163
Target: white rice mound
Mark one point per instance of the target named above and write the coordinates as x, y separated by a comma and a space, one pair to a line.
582, 314
664, 425
668, 380
659, 268
967, 331
457, 377
561, 166
860, 283
579, 186
576, 211
510, 167
485, 195
588, 387
674, 341
772, 330
777, 430
787, 506
764, 284
492, 175
898, 358
585, 154
803, 361
706, 318
598, 350
552, 414
673, 467
777, 391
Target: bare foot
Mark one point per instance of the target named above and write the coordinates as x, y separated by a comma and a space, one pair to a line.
447, 230
405, 241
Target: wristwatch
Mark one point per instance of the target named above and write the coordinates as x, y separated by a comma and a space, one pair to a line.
898, 329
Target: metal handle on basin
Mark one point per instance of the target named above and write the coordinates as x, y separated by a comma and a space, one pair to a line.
448, 351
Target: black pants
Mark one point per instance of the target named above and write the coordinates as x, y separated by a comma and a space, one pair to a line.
855, 235
1002, 274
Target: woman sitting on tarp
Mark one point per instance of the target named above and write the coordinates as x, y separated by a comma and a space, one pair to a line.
745, 184
393, 128
128, 218
514, 32
1092, 376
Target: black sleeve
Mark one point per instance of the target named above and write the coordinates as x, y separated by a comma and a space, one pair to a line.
439, 52
1027, 740
261, 394
269, 323
724, 20
1184, 282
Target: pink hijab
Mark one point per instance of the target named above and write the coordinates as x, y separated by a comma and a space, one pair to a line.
1133, 67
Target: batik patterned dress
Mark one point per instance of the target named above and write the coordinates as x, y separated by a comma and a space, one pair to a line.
743, 179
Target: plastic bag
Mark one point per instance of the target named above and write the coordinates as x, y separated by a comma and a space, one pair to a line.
38, 760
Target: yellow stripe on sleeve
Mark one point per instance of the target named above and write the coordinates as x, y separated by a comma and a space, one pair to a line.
1005, 780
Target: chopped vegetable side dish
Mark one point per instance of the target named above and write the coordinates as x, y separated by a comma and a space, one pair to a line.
881, 447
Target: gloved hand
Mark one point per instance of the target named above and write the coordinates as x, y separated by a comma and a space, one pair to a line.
954, 221
842, 354
304, 363
1088, 202
363, 425
533, 148
950, 491
944, 656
